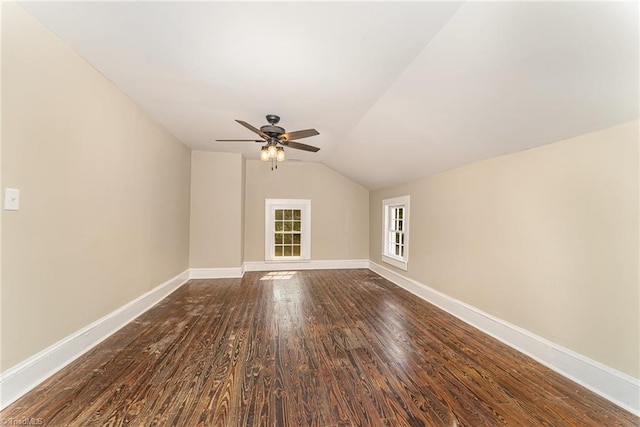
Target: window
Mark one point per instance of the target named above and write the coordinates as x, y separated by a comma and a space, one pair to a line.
287, 232
395, 214
287, 229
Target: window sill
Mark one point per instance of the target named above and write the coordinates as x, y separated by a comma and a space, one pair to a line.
401, 264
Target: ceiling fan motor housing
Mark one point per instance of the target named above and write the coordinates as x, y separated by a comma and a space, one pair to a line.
271, 130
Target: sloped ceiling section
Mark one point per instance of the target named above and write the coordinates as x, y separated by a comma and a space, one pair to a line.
397, 90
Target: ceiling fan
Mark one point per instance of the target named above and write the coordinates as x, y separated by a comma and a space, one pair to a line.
276, 138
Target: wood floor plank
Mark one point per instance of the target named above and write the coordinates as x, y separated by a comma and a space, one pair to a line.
314, 348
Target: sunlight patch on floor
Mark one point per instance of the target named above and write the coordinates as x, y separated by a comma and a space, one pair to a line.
278, 275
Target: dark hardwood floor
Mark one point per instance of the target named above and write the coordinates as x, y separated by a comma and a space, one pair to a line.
322, 348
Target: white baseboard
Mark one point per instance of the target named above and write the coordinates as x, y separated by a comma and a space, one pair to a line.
615, 386
216, 273
18, 380
306, 265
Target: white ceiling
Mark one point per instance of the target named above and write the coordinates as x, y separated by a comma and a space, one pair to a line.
397, 90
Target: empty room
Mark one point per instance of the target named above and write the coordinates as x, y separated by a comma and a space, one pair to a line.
320, 213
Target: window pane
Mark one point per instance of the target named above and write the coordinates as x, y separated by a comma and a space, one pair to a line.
288, 226
279, 226
397, 251
288, 239
278, 238
400, 225
278, 251
288, 214
402, 251
397, 238
296, 251
402, 238
287, 251
297, 214
279, 214
400, 213
296, 226
296, 239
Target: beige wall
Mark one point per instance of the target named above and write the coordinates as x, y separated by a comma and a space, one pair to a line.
2, 198
339, 208
104, 193
216, 210
243, 203
546, 239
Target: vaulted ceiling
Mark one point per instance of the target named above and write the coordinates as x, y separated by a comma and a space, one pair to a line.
398, 90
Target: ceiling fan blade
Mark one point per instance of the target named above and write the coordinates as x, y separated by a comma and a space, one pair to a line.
300, 146
240, 140
253, 129
297, 134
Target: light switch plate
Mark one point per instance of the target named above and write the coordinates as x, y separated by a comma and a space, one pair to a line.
11, 199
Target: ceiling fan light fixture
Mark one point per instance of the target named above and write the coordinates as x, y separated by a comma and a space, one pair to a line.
272, 150
280, 156
264, 154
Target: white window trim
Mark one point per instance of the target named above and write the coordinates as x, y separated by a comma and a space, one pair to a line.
387, 256
305, 228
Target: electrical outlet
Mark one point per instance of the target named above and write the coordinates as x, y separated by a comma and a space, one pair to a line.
11, 199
